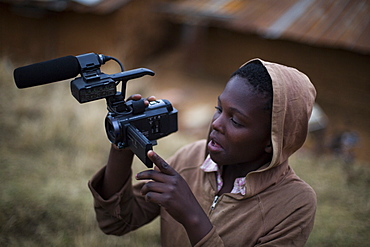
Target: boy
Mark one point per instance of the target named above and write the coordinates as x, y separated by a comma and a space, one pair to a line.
243, 192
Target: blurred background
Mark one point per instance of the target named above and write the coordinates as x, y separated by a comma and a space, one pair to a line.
51, 145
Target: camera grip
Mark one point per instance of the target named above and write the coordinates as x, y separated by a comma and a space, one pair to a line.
139, 144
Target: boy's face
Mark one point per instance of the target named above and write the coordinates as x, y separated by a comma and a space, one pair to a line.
241, 128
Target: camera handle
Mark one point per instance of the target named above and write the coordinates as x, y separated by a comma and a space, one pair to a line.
116, 103
129, 75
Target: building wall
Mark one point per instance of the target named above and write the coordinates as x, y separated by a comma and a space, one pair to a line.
130, 34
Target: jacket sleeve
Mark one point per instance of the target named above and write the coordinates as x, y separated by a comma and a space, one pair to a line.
212, 239
125, 211
295, 229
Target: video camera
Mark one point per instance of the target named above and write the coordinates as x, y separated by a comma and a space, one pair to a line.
131, 124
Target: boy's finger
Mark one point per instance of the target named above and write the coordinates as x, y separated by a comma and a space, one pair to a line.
135, 97
151, 98
160, 163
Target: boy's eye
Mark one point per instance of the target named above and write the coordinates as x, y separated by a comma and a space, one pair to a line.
235, 122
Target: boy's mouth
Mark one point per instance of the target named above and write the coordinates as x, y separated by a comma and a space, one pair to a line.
214, 146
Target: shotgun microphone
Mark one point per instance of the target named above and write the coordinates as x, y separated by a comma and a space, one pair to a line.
58, 69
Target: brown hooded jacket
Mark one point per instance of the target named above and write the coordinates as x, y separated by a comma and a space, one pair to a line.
278, 208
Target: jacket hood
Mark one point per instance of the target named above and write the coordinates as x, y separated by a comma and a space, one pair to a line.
293, 100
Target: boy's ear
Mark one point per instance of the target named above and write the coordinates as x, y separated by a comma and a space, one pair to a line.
268, 148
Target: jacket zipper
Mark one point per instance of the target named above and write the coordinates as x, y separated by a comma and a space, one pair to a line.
214, 203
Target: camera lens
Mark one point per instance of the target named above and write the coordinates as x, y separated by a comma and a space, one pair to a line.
113, 130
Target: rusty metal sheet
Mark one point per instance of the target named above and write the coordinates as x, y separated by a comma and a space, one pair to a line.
334, 23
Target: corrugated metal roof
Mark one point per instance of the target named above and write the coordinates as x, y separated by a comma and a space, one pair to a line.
81, 6
202, 10
100, 7
335, 23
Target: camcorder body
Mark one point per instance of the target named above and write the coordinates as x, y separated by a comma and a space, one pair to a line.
139, 127
128, 124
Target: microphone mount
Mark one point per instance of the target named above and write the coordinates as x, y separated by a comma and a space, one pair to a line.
93, 84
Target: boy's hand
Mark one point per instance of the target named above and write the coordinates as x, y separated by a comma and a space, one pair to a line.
168, 189
138, 97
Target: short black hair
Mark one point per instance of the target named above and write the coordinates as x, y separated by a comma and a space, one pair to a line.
259, 78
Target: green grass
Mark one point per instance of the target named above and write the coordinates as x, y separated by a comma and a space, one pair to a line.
50, 146
342, 217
